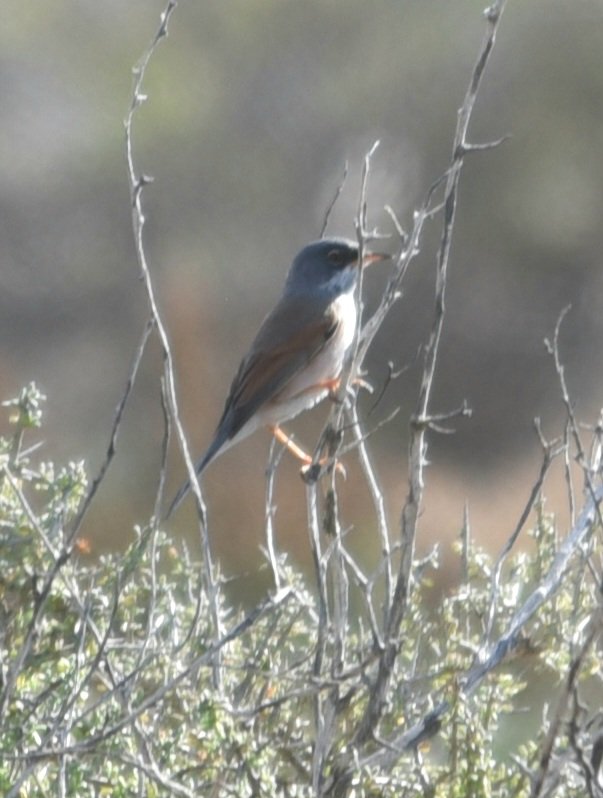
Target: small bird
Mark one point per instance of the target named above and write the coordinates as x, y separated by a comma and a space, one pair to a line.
297, 356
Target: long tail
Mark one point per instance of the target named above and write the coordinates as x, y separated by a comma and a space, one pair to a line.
178, 499
209, 455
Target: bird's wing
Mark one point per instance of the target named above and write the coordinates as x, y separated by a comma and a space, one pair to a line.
290, 337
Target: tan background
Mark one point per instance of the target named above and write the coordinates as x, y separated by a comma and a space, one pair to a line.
254, 108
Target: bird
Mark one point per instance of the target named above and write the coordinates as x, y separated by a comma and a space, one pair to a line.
297, 356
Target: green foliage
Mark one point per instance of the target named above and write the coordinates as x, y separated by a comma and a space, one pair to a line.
108, 669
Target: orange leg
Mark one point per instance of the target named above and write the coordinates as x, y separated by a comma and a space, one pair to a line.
290, 444
332, 386
297, 451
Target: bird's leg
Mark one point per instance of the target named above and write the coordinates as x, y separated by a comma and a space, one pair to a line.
298, 452
290, 444
333, 387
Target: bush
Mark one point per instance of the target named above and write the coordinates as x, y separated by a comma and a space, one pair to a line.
114, 681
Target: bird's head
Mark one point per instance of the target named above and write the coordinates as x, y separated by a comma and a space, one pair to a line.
328, 267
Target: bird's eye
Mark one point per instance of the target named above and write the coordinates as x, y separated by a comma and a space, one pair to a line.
335, 256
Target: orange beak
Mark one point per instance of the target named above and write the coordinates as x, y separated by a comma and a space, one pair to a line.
374, 257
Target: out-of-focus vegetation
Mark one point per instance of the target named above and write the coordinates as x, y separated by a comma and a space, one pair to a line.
255, 107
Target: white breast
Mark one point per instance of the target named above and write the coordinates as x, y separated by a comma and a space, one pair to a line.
304, 390
345, 308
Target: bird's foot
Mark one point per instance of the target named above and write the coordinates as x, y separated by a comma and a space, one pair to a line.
310, 470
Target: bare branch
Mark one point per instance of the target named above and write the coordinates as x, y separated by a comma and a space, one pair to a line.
550, 451
411, 512
137, 183
333, 202
96, 483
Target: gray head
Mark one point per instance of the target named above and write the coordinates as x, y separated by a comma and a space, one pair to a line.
328, 266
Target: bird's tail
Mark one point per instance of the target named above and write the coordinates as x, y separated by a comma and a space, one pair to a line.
178, 499
209, 455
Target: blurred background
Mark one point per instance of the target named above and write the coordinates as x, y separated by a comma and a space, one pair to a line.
254, 108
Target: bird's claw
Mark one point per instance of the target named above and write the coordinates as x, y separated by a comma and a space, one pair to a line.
310, 472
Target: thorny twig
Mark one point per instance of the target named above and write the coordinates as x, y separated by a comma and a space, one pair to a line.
417, 448
546, 753
137, 182
387, 754
271, 552
581, 458
550, 452
334, 199
396, 608
269, 604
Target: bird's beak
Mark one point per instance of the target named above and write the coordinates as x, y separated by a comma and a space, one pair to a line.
373, 257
